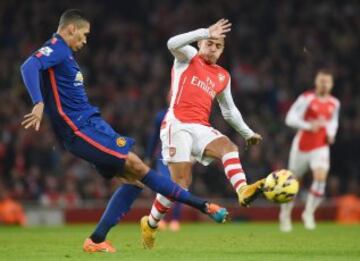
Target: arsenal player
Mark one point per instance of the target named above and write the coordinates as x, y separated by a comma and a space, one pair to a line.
315, 115
186, 133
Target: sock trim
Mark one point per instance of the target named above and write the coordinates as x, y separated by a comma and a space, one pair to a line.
165, 201
316, 193
236, 178
161, 208
238, 183
148, 222
156, 219
230, 155
232, 167
234, 172
231, 161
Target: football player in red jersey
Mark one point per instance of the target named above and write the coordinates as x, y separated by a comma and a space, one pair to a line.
315, 115
186, 133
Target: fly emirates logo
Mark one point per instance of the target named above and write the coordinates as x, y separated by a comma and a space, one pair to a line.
207, 86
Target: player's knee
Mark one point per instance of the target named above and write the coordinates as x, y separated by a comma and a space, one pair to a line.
183, 181
320, 178
233, 147
229, 146
140, 167
181, 173
136, 166
319, 174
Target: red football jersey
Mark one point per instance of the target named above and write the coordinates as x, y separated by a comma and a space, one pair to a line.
194, 86
323, 109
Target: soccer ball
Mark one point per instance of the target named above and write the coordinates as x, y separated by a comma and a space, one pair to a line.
280, 186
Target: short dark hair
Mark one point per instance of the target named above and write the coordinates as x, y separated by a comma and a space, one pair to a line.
72, 16
325, 71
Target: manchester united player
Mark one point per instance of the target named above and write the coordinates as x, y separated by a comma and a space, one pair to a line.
186, 133
55, 82
315, 115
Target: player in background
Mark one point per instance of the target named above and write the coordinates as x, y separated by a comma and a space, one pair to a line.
55, 82
153, 151
315, 115
186, 134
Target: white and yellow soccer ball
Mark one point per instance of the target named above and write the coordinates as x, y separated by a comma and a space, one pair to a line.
281, 186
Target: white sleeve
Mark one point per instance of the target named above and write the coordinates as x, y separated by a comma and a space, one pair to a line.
231, 113
179, 44
295, 116
333, 124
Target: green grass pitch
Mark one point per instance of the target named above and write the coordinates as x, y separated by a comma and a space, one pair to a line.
236, 241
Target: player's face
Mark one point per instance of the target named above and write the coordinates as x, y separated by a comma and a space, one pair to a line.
211, 49
79, 38
323, 83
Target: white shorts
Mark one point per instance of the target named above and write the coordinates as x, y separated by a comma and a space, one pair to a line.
301, 162
186, 142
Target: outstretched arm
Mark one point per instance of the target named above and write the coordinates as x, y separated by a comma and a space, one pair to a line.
44, 58
233, 116
180, 47
30, 72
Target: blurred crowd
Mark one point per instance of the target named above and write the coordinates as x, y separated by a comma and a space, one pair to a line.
273, 51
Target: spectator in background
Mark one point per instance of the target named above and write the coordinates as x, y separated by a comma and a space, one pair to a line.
52, 196
71, 198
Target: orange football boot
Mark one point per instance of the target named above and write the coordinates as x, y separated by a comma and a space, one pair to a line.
91, 247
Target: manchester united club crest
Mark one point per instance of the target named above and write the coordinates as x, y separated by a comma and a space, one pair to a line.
221, 77
79, 79
121, 141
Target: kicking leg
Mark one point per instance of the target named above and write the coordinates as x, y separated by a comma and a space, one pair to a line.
226, 151
168, 188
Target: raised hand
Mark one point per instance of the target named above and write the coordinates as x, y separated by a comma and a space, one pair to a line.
34, 118
219, 29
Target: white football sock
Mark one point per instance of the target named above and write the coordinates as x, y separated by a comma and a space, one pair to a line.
233, 170
286, 209
315, 196
285, 216
159, 209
